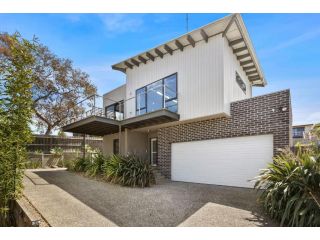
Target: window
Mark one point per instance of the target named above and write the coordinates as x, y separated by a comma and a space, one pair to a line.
170, 93
115, 111
155, 96
158, 95
141, 99
241, 83
298, 132
115, 146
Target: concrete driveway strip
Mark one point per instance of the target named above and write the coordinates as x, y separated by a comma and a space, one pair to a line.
216, 215
68, 199
58, 207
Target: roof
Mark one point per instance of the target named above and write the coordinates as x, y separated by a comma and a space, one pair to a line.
303, 125
231, 27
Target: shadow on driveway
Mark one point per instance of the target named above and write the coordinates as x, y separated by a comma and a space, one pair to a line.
167, 204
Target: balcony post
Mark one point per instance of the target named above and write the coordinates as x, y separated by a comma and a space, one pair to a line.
84, 146
120, 138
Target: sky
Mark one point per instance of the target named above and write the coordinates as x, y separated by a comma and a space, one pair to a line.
287, 46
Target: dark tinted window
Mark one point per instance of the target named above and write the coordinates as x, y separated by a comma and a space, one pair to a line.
115, 146
298, 132
241, 83
115, 111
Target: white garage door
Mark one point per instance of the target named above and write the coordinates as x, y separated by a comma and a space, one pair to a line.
229, 161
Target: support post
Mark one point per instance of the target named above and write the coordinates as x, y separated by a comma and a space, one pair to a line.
84, 145
120, 138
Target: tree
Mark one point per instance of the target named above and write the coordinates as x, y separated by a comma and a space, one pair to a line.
57, 89
16, 62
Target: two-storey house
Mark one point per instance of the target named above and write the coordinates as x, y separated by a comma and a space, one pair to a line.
187, 107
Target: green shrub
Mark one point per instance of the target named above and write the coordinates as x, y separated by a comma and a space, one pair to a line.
95, 165
58, 151
81, 164
291, 187
128, 171
112, 168
33, 164
69, 164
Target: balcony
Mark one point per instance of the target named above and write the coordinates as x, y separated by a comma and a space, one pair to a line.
99, 122
92, 122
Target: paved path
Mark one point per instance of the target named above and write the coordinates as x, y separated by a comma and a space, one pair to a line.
69, 199
214, 215
58, 207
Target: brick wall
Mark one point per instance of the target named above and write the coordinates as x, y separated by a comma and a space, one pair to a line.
254, 116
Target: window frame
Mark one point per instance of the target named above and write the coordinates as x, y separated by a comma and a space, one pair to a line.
170, 99
298, 130
239, 84
116, 140
146, 94
145, 100
115, 105
164, 101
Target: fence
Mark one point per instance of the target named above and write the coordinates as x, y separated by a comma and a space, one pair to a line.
42, 160
44, 143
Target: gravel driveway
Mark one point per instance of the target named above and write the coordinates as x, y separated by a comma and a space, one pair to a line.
166, 204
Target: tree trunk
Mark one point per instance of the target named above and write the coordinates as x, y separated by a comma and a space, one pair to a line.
48, 131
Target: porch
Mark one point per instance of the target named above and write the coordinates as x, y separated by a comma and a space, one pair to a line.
141, 143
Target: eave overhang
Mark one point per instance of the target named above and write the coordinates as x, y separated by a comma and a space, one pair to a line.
231, 27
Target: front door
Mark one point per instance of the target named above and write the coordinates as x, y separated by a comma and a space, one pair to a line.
154, 151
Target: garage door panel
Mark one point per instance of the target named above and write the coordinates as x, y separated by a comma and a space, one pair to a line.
229, 161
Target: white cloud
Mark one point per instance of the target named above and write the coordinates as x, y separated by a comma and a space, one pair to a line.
120, 23
304, 37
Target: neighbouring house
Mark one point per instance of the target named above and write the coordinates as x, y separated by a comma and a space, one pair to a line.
187, 106
302, 134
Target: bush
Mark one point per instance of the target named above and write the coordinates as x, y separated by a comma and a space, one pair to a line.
33, 164
112, 168
125, 170
69, 164
95, 165
291, 187
81, 164
128, 171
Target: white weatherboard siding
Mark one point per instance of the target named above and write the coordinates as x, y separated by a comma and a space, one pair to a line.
115, 95
229, 161
200, 78
232, 91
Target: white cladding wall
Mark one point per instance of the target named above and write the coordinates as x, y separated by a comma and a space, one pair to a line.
232, 91
200, 78
115, 95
